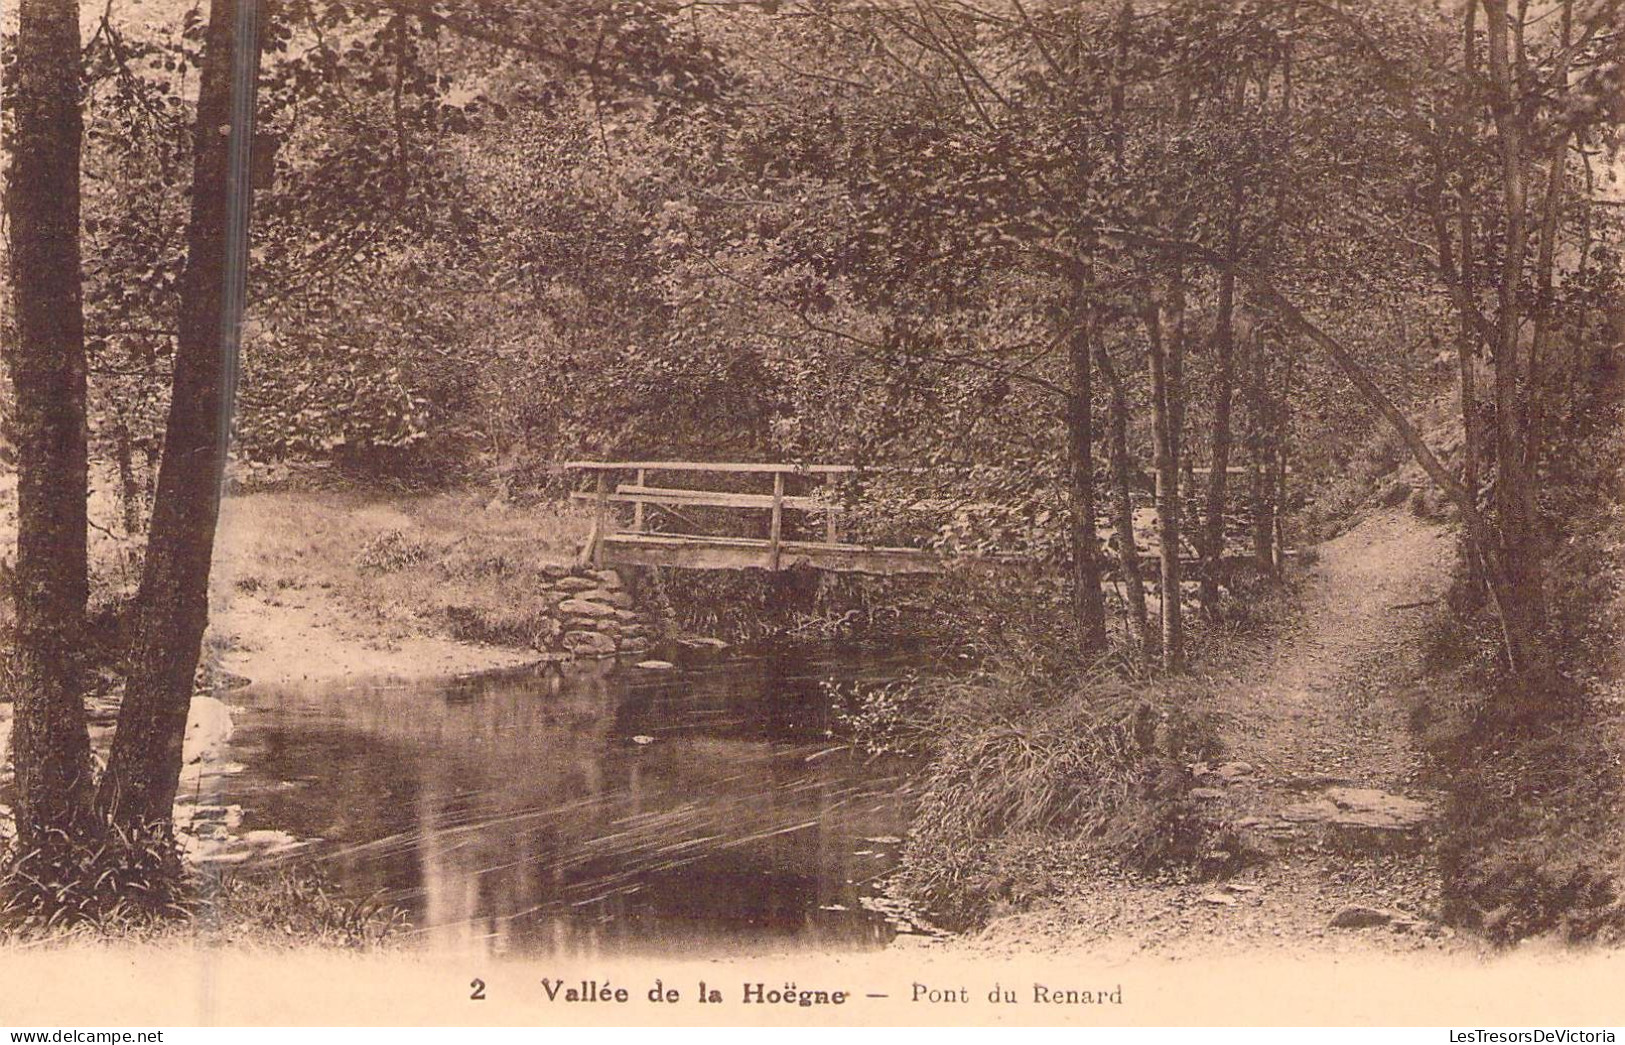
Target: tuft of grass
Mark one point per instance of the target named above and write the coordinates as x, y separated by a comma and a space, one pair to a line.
1106, 777
519, 623
124, 885
109, 880
1026, 760
391, 551
296, 906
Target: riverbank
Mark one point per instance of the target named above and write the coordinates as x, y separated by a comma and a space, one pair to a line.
316, 638
318, 586
311, 588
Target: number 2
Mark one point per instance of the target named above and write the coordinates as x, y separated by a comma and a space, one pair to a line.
477, 987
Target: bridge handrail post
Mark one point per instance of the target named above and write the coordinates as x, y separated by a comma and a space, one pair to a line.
601, 519
776, 531
637, 509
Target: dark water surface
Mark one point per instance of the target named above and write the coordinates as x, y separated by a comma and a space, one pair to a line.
607, 810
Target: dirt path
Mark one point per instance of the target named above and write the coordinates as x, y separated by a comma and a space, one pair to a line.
1321, 779
1332, 700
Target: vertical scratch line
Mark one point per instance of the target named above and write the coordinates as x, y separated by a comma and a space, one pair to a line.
239, 192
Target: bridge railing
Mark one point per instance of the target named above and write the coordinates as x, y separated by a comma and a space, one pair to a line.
642, 494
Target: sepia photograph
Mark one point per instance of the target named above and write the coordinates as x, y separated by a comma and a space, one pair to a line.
833, 512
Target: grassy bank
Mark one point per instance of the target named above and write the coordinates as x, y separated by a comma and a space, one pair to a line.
451, 562
1040, 765
314, 583
157, 900
385, 583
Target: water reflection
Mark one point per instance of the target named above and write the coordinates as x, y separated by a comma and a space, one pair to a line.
607, 810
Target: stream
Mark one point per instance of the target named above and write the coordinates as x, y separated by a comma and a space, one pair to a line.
604, 810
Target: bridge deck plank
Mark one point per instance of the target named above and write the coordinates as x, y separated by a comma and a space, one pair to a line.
743, 553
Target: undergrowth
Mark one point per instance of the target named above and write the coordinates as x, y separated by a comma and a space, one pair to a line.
1038, 763
797, 604
133, 881
1531, 843
297, 906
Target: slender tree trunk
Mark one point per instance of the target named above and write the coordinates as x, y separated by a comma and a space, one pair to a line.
50, 745
143, 769
1219, 444
1278, 504
1469, 334
129, 486
1546, 262
1211, 542
1259, 441
1089, 606
1128, 551
1163, 317
1457, 270
1174, 325
1119, 75
1515, 545
1582, 266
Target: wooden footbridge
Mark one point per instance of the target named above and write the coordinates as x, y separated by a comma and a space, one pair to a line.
612, 545
617, 484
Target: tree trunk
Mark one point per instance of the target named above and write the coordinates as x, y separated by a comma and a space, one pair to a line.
144, 767
1260, 441
1456, 268
1165, 393
129, 487
1460, 269
1283, 430
1515, 544
1219, 445
1173, 616
1089, 606
1119, 76
1211, 539
1546, 259
50, 745
1128, 552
